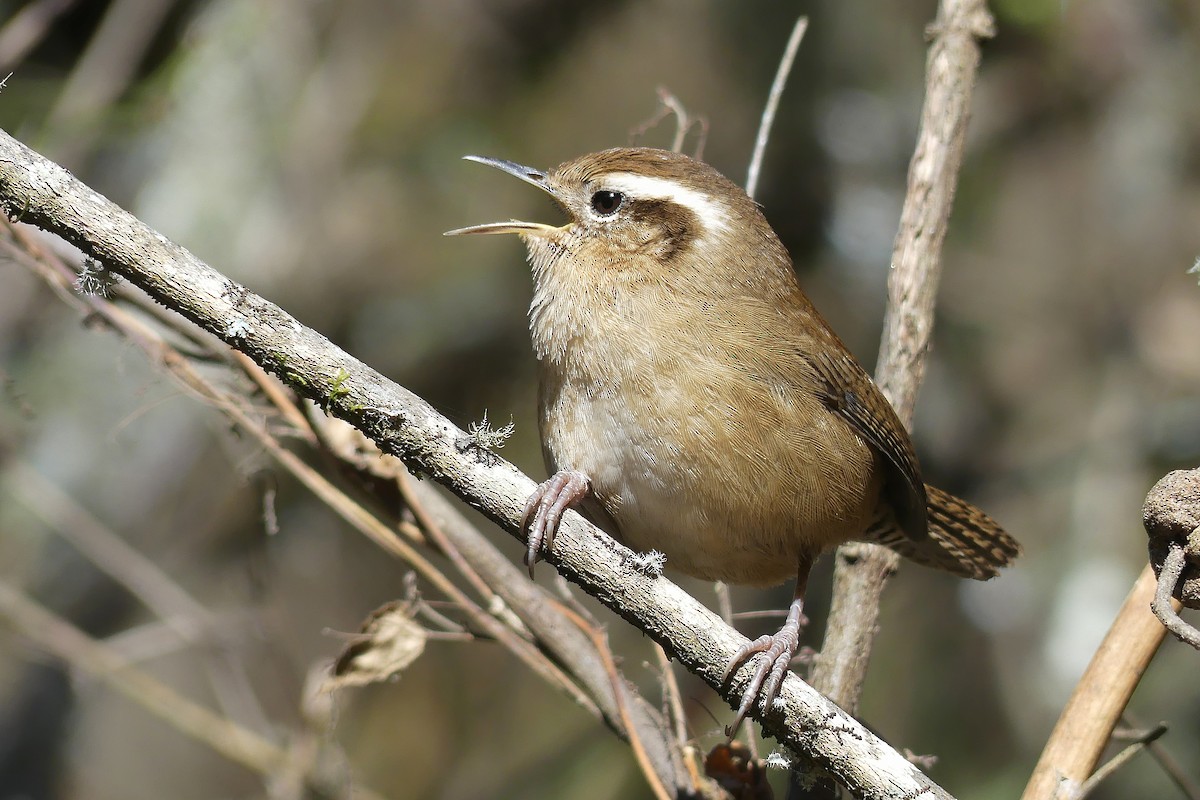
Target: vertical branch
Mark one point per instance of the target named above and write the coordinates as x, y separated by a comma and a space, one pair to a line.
862, 570
772, 106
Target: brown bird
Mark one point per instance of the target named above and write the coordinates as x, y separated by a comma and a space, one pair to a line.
693, 401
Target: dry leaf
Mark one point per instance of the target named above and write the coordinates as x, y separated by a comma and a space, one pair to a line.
389, 642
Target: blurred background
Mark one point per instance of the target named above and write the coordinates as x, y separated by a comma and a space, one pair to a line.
311, 150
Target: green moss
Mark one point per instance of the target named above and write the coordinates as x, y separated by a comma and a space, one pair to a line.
337, 391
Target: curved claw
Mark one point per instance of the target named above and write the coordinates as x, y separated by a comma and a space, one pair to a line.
771, 670
544, 510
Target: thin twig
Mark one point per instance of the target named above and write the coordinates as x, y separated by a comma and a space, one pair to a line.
1164, 605
600, 642
428, 609
681, 115
562, 588
772, 106
278, 395
1118, 761
672, 697
1175, 772
434, 533
670, 105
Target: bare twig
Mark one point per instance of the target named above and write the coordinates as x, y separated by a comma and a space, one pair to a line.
1169, 764
600, 643
772, 105
672, 698
278, 396
1088, 719
862, 570
683, 121
1118, 761
431, 529
670, 105
409, 428
1166, 607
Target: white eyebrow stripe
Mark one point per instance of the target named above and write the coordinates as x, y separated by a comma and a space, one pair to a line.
712, 213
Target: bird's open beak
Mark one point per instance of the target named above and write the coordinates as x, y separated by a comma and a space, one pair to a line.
527, 174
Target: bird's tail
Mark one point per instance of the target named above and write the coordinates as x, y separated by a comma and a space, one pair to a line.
962, 539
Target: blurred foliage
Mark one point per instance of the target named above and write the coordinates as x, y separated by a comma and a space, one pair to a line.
311, 151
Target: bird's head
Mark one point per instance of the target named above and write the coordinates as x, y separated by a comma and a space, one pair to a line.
647, 213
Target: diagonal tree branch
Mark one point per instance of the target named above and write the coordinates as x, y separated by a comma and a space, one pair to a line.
1087, 721
616, 701
40, 192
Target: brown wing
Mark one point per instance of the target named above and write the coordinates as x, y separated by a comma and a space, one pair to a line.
850, 393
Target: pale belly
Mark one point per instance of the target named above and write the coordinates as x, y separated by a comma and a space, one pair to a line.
726, 493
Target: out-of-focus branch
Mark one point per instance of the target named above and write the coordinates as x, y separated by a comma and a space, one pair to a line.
402, 424
104, 71
25, 29
862, 570
67, 642
179, 611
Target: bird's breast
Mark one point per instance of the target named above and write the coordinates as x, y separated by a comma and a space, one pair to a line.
731, 477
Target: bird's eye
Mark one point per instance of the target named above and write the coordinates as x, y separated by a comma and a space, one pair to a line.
606, 203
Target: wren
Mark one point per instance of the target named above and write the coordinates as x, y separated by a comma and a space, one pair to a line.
693, 401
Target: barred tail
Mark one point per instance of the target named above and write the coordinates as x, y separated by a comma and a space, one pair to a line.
962, 539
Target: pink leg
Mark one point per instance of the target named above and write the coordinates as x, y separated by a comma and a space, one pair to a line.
544, 510
778, 651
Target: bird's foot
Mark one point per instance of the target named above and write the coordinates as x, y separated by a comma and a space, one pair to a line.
777, 651
544, 510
